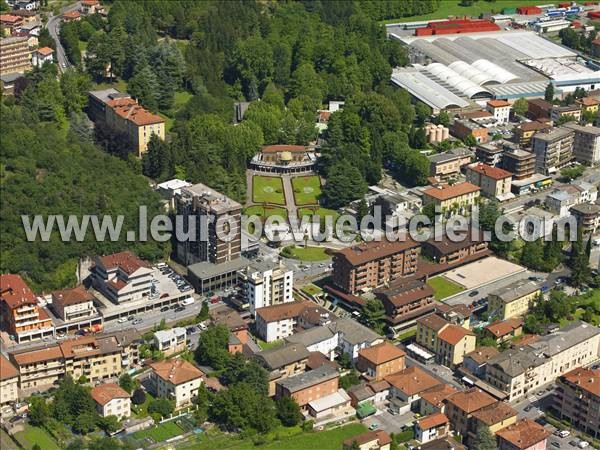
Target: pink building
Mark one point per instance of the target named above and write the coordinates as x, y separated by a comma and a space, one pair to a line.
523, 435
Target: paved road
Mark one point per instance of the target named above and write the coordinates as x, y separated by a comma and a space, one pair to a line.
53, 26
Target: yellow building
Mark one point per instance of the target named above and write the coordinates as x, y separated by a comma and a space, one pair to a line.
15, 56
588, 104
458, 198
513, 300
9, 380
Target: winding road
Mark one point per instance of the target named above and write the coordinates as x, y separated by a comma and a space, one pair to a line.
53, 26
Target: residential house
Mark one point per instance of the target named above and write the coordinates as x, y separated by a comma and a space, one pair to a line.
588, 104
372, 440
282, 362
494, 417
443, 250
122, 277
525, 131
505, 330
458, 198
573, 111
266, 284
434, 400
317, 339
111, 400
21, 315
309, 386
587, 215
375, 392
378, 361
476, 361
73, 304
577, 399
230, 318
560, 201
42, 56
528, 367
500, 109
9, 382
372, 264
406, 302
15, 56
461, 406
494, 182
448, 341
176, 379
406, 387
10, 23
432, 427
462, 128
71, 16
171, 341
586, 143
513, 300
523, 435
280, 321
331, 408
354, 336
520, 163
447, 443
538, 108
90, 7
553, 149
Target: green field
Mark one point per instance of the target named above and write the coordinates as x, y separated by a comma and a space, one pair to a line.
264, 212
321, 212
269, 345
6, 443
307, 190
311, 289
35, 435
443, 287
305, 253
162, 432
453, 8
267, 189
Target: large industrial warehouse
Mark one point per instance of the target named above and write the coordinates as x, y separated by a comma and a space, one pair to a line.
454, 70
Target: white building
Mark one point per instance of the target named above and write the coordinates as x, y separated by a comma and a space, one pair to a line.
560, 201
9, 381
111, 400
317, 339
170, 341
122, 277
500, 109
332, 407
176, 379
267, 284
41, 56
73, 304
431, 427
169, 189
353, 336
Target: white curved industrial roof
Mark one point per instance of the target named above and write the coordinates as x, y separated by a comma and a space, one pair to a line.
472, 73
500, 75
454, 79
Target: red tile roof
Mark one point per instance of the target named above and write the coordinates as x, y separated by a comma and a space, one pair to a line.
471, 400
585, 379
283, 148
381, 353
45, 51
39, 355
289, 310
7, 370
523, 434
105, 392
433, 420
436, 395
453, 334
9, 18
482, 354
449, 192
588, 101
380, 436
495, 413
534, 126
176, 371
71, 15
89, 2
497, 103
370, 251
412, 380
15, 292
504, 327
433, 322
489, 171
126, 261
73, 296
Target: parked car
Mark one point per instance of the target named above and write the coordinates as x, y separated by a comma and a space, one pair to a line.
180, 308
528, 408
473, 293
122, 319
583, 444
556, 444
164, 309
137, 321
131, 318
564, 433
373, 426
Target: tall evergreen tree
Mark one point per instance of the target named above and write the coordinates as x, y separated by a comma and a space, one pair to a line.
549, 92
484, 440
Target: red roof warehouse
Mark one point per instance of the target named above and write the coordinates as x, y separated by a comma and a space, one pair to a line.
456, 26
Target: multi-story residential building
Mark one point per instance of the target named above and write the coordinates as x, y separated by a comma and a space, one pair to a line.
434, 400
494, 182
266, 284
354, 336
41, 56
513, 300
173, 340
448, 341
444, 165
111, 400
429, 428
9, 382
443, 250
21, 315
561, 111
553, 149
370, 265
461, 406
476, 361
15, 56
538, 108
577, 399
214, 215
380, 360
280, 321
518, 371
560, 201
320, 339
122, 277
500, 109
406, 387
588, 104
372, 440
520, 163
463, 128
455, 199
406, 302
587, 215
73, 304
489, 154
505, 330
282, 362
39, 368
525, 131
308, 386
90, 7
177, 380
9, 23
523, 435
586, 143
495, 417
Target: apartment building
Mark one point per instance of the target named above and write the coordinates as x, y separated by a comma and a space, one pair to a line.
463, 128
380, 360
577, 399
500, 109
123, 113
9, 382
122, 277
586, 143
21, 315
573, 111
588, 216
280, 321
523, 435
493, 181
111, 400
214, 215
443, 250
282, 362
432, 427
9, 23
588, 104
448, 341
461, 406
513, 300
520, 370
525, 131
455, 199
489, 154
354, 336
434, 400
170, 341
407, 386
553, 149
444, 165
476, 361
266, 284
495, 417
370, 265
309, 386
520, 163
406, 302
177, 380
538, 108
320, 339
15, 55
73, 304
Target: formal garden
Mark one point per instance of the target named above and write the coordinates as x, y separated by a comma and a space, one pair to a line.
267, 190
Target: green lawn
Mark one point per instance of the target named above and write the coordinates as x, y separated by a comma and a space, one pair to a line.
181, 98
453, 8
269, 345
120, 85
321, 212
443, 287
35, 435
82, 46
266, 211
305, 253
311, 289
6, 443
307, 190
160, 433
267, 189
407, 335
142, 410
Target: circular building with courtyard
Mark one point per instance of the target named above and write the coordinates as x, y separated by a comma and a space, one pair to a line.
285, 159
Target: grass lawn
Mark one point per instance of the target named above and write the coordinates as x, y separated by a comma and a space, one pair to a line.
160, 433
6, 443
306, 253
35, 435
120, 85
82, 46
406, 335
311, 289
269, 345
142, 410
453, 8
181, 98
307, 190
321, 212
443, 287
267, 211
267, 189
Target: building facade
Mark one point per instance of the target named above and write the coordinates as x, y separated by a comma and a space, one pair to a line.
380, 360
173, 340
520, 163
309, 386
494, 182
553, 149
73, 304
513, 300
586, 143
111, 400
267, 284
177, 380
577, 399
15, 56
500, 109
456, 199
9, 382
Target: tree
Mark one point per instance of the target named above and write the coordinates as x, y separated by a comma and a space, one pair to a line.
579, 261
344, 184
564, 119
109, 424
422, 112
288, 411
75, 85
162, 406
571, 173
520, 106
144, 87
533, 255
126, 382
350, 379
203, 314
156, 162
38, 411
362, 209
484, 440
344, 360
36, 446
429, 211
85, 423
138, 397
240, 369
212, 347
470, 141
374, 313
443, 118
549, 93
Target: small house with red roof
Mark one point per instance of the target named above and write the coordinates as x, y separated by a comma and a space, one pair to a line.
9, 381
493, 181
71, 16
41, 56
111, 400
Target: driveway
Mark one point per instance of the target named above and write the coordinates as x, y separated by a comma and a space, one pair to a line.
388, 422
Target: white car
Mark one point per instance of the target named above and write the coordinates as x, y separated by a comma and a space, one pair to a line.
188, 301
564, 433
122, 319
583, 444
